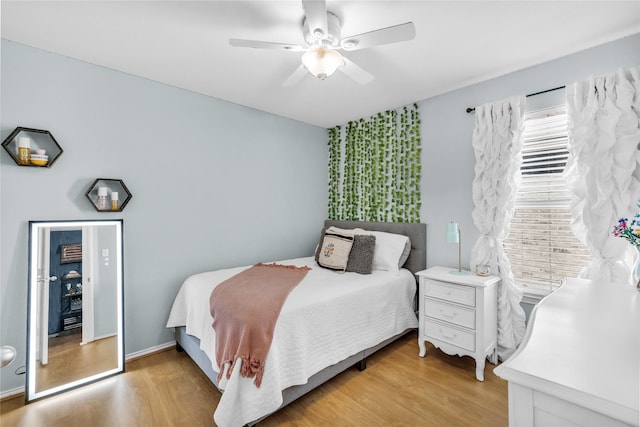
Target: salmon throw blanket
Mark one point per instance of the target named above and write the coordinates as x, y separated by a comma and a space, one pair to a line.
245, 309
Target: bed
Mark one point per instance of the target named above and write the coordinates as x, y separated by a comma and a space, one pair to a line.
319, 333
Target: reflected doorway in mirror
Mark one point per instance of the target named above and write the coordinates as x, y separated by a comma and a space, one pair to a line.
75, 331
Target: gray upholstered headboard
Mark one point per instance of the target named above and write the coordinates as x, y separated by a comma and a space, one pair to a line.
417, 232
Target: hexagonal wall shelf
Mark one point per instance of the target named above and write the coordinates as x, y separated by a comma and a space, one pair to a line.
32, 147
108, 195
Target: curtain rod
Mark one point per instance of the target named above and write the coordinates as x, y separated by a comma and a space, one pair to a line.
472, 109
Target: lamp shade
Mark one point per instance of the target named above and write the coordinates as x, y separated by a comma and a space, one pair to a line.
7, 355
452, 234
322, 61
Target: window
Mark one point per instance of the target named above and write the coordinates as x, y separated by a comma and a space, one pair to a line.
541, 247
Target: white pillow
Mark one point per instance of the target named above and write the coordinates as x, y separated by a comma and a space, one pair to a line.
343, 231
349, 232
389, 250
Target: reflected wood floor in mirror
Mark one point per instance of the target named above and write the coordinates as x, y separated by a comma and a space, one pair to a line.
397, 388
68, 360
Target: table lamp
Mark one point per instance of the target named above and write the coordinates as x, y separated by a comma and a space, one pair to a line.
453, 235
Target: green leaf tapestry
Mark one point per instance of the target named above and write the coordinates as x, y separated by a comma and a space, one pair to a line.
374, 168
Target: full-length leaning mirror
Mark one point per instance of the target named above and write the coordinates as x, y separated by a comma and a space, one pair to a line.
75, 325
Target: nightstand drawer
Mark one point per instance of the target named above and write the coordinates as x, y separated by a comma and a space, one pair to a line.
456, 293
450, 313
451, 335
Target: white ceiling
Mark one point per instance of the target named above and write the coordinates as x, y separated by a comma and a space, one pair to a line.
185, 44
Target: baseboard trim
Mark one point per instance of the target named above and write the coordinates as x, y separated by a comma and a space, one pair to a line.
11, 394
149, 351
14, 392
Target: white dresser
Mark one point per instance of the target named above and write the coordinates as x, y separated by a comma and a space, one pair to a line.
579, 362
458, 314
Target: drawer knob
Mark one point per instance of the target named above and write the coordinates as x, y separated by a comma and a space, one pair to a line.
448, 335
451, 314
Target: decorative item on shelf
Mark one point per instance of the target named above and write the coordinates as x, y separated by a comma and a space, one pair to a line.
101, 188
39, 158
102, 199
631, 233
114, 200
454, 235
24, 150
73, 274
76, 304
32, 147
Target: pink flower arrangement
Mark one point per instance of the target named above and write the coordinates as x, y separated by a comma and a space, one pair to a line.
629, 231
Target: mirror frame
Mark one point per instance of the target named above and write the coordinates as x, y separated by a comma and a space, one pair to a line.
32, 394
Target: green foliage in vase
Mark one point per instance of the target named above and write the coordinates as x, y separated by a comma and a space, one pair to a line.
374, 168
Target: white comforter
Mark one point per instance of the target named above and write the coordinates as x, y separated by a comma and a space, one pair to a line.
326, 318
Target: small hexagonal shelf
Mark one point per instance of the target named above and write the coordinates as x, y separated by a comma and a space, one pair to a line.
108, 195
32, 147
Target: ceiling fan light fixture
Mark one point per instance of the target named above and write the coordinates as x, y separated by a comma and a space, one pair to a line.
349, 44
322, 61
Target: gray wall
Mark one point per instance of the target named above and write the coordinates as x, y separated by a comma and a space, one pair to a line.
447, 155
105, 321
214, 184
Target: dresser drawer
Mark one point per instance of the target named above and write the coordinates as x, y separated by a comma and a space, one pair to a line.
456, 293
451, 335
450, 313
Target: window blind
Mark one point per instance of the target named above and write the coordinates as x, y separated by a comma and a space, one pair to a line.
541, 247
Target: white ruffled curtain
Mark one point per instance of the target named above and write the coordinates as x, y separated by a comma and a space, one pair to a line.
497, 144
603, 170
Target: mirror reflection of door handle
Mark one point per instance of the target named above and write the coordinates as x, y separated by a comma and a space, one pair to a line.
53, 278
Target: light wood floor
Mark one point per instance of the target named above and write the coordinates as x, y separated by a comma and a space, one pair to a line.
68, 360
398, 388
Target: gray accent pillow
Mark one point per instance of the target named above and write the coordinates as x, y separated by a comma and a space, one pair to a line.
361, 256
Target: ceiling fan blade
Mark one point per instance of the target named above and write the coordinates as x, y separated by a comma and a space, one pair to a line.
393, 34
316, 13
356, 73
265, 45
296, 76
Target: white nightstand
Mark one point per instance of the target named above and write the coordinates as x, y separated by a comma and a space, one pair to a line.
458, 314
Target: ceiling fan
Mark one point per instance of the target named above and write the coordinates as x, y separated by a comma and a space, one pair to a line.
322, 33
